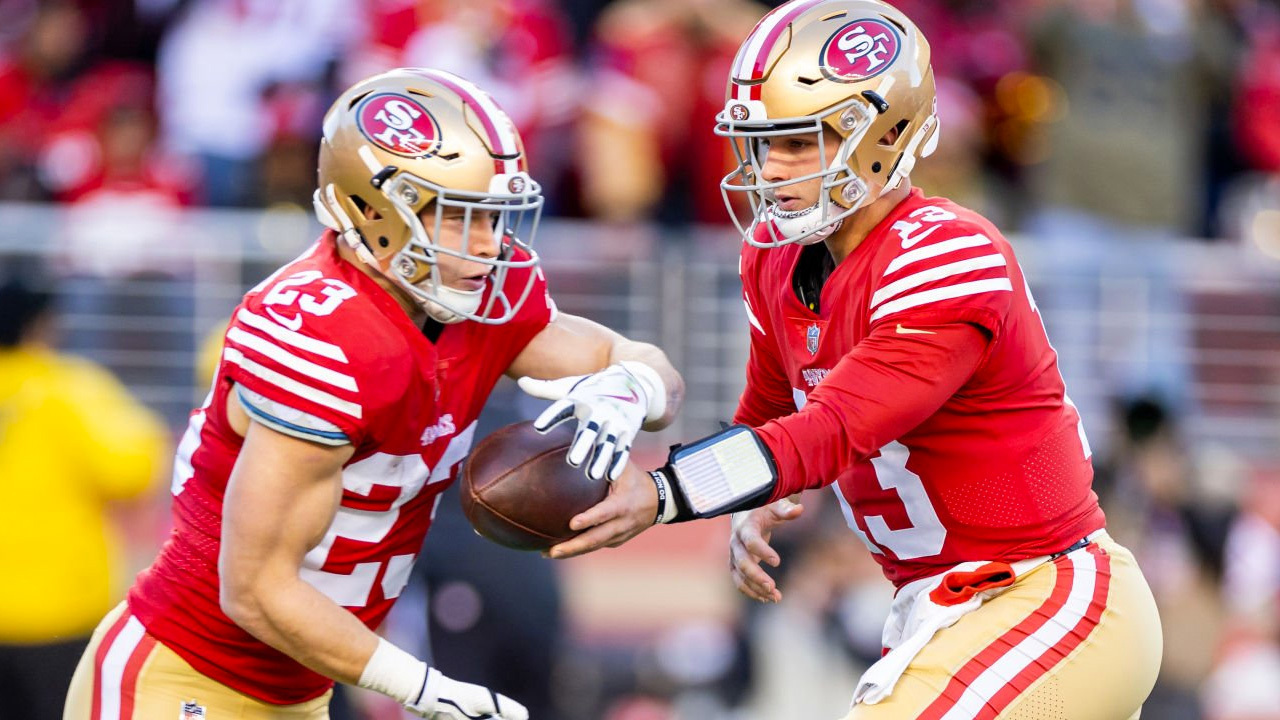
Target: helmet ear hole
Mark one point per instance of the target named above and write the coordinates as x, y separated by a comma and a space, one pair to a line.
895, 134
366, 210
383, 241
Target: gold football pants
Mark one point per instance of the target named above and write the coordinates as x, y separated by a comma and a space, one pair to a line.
125, 674
1077, 638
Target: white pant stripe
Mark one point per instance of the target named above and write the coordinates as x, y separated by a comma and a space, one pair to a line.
113, 668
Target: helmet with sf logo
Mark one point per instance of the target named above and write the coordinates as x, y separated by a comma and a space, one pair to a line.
416, 139
858, 67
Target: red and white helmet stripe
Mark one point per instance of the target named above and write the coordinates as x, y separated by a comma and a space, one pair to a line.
498, 128
754, 53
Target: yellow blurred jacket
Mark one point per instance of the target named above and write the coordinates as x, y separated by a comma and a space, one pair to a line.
71, 440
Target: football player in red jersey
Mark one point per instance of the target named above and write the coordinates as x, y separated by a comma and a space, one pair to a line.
897, 356
347, 394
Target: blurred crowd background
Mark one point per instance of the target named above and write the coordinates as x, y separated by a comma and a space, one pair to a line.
157, 158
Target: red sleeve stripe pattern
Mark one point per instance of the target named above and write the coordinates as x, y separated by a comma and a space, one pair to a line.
936, 283
280, 366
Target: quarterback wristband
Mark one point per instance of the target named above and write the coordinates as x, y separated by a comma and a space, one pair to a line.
394, 672
729, 471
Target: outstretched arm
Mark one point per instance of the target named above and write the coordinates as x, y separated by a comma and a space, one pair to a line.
612, 385
885, 386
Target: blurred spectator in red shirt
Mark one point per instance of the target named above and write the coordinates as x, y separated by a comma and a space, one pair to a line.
519, 51
657, 79
105, 141
36, 76
1257, 108
123, 192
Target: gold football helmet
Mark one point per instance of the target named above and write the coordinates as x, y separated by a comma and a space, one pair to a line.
416, 139
858, 67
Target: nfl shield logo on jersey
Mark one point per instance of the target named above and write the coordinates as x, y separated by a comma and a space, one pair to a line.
811, 338
192, 711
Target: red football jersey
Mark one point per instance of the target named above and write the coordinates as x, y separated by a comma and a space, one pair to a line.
324, 340
1000, 471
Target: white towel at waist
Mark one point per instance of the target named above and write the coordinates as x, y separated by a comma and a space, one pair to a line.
914, 618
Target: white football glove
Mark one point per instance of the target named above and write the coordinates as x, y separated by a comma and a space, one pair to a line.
610, 406
426, 692
445, 699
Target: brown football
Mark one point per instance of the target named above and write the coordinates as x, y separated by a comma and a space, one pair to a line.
518, 491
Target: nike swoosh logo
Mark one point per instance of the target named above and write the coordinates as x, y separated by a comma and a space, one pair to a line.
913, 331
909, 242
293, 323
633, 399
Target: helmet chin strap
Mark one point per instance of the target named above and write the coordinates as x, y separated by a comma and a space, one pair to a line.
444, 303
813, 220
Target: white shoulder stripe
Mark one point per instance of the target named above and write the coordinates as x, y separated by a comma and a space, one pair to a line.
291, 361
943, 293
942, 248
285, 335
898, 287
283, 382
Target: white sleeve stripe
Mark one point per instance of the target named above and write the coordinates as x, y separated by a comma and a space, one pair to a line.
285, 335
936, 273
289, 384
751, 317
291, 361
942, 293
942, 248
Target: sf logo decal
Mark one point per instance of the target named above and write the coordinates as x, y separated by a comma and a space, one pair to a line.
859, 50
398, 124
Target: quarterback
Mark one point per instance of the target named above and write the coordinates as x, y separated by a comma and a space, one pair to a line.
347, 393
897, 356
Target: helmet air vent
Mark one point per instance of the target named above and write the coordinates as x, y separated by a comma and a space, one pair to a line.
358, 98
896, 24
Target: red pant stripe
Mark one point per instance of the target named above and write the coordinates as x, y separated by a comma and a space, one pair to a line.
129, 682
